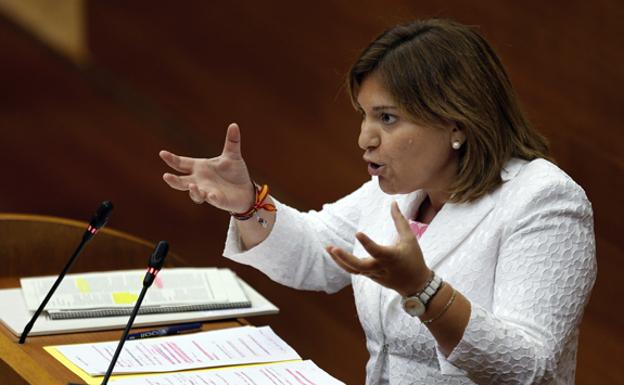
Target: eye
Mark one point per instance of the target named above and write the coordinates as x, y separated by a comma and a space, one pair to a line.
387, 118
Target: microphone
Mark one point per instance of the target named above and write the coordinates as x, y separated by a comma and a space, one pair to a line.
155, 263
97, 222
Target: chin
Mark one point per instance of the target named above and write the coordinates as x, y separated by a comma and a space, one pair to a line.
387, 188
393, 189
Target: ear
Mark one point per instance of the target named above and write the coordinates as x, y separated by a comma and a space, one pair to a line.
457, 133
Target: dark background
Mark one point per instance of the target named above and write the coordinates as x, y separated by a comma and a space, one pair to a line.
173, 75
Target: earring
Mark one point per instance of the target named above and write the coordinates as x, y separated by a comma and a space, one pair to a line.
456, 144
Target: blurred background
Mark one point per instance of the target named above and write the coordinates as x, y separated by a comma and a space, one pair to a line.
90, 91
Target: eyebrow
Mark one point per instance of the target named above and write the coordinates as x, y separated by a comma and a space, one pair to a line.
380, 108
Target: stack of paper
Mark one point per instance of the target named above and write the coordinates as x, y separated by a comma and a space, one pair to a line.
15, 315
218, 348
114, 293
235, 346
300, 373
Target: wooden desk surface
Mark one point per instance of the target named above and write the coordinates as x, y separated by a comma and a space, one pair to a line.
29, 364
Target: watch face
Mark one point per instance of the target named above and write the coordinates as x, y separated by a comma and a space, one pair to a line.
413, 306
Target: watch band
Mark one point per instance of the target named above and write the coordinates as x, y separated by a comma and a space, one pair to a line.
416, 305
430, 290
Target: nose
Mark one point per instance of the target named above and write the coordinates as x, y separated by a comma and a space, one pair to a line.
369, 136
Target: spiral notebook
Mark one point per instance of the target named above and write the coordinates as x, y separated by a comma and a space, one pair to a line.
114, 293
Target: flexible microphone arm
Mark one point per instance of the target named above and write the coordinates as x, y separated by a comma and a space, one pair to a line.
97, 222
155, 264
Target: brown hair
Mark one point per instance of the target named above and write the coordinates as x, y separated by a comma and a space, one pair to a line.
442, 72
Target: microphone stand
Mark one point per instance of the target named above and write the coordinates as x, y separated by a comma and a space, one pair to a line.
124, 336
156, 262
97, 222
56, 284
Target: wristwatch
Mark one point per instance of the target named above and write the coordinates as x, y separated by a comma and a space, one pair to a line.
416, 305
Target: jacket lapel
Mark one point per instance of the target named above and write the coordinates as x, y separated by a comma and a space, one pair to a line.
450, 227
456, 221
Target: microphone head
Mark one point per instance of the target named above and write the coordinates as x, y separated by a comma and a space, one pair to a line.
158, 256
101, 215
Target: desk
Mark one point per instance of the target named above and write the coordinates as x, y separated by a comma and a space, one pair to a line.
29, 364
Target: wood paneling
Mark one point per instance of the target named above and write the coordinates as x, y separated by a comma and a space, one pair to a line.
173, 76
61, 24
53, 240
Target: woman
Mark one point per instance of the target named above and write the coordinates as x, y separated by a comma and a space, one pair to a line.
487, 280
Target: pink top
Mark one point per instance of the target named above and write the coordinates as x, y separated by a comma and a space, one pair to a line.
418, 228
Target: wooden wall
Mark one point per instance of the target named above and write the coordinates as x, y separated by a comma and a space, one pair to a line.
173, 75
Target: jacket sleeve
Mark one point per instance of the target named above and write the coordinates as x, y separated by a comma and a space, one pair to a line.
545, 272
294, 252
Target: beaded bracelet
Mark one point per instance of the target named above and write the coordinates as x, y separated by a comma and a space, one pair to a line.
446, 307
261, 194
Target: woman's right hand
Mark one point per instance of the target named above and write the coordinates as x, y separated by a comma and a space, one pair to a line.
224, 181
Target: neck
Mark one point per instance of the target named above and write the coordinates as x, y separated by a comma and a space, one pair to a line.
437, 199
430, 206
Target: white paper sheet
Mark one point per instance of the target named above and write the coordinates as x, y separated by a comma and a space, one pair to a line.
300, 373
235, 346
113, 289
14, 315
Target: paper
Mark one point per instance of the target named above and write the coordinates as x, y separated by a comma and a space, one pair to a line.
14, 315
299, 373
120, 289
235, 346
84, 376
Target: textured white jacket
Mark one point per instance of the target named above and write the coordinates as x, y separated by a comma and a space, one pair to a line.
523, 255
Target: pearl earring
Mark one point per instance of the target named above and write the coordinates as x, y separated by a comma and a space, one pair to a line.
456, 144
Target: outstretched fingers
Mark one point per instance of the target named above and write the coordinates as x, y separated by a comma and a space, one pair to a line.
400, 222
351, 263
232, 146
179, 163
336, 255
374, 249
176, 182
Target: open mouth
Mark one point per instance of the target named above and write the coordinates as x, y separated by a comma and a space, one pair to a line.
374, 168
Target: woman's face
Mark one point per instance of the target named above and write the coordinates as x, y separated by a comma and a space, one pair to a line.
404, 155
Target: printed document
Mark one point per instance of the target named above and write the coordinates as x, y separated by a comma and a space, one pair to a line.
235, 346
115, 292
299, 373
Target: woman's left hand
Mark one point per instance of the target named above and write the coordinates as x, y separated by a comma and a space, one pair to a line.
400, 267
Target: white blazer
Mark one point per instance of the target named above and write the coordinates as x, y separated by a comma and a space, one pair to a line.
524, 256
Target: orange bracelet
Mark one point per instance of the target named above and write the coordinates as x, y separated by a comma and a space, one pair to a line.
261, 194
